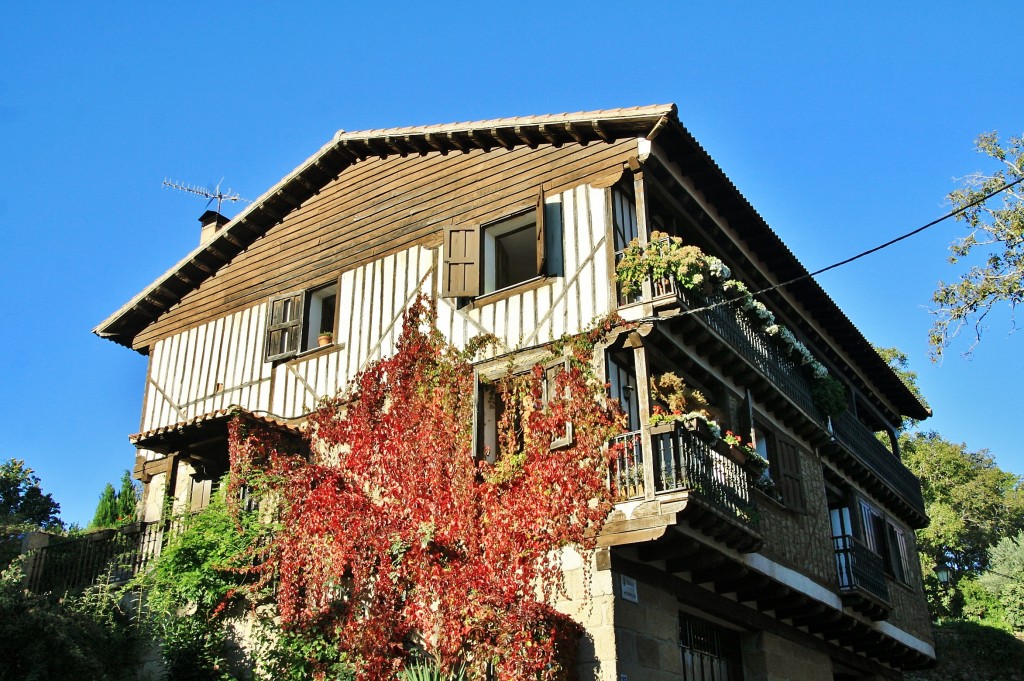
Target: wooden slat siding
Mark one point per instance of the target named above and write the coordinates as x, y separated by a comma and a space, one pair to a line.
597, 202
486, 186
373, 308
188, 366
526, 196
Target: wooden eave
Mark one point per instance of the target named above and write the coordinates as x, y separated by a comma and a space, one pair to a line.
695, 163
346, 149
180, 436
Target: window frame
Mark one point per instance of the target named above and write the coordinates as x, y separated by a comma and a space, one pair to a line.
465, 262
891, 547
488, 409
289, 316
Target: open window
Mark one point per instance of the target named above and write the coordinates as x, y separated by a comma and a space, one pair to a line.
886, 539
482, 259
296, 319
496, 410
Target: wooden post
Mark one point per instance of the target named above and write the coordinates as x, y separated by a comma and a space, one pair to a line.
644, 404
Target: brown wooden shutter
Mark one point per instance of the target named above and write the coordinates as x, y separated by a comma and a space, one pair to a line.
461, 267
787, 466
540, 232
284, 325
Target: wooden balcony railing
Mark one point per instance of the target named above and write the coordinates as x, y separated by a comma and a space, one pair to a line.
627, 471
111, 555
859, 568
683, 461
863, 444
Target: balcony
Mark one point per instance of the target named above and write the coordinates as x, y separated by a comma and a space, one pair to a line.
691, 481
861, 578
891, 480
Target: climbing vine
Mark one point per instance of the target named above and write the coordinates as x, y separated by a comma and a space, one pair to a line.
404, 543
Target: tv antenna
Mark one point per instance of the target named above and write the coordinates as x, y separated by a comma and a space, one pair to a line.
214, 194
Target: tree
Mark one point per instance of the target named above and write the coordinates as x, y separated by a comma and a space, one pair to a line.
106, 508
900, 364
972, 504
23, 508
127, 499
994, 244
117, 507
1005, 578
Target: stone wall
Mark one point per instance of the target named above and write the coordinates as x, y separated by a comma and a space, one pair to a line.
594, 608
648, 634
767, 657
801, 540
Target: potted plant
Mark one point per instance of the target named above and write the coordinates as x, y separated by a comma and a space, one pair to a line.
682, 404
325, 338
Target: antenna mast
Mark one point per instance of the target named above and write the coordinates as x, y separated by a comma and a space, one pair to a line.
214, 194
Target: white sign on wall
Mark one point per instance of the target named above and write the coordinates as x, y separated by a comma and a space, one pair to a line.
629, 592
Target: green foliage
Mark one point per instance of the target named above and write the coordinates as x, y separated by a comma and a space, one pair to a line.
1005, 578
23, 508
899, 362
969, 650
972, 504
302, 654
117, 507
76, 636
106, 509
994, 245
829, 395
203, 568
128, 496
982, 606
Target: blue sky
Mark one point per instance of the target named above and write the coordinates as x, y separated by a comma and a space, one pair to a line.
844, 124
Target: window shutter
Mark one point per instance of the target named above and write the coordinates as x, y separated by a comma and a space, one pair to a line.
788, 478
461, 274
284, 325
897, 551
540, 232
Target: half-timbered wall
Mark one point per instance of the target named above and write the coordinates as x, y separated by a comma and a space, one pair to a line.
221, 363
378, 207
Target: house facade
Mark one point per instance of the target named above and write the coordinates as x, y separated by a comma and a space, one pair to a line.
708, 567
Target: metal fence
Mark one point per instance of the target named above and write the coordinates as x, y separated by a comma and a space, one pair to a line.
105, 555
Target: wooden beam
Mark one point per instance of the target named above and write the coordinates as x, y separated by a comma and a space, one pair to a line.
575, 134
600, 132
523, 132
453, 138
439, 143
548, 135
480, 140
500, 138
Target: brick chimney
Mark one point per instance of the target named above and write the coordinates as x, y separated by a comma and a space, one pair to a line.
211, 222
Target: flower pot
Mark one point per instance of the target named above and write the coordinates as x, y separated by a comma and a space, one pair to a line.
323, 340
700, 428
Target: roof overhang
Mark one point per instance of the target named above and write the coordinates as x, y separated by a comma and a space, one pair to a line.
345, 149
203, 429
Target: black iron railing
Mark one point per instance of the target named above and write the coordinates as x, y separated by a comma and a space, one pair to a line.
109, 555
627, 470
754, 345
863, 444
683, 461
858, 567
